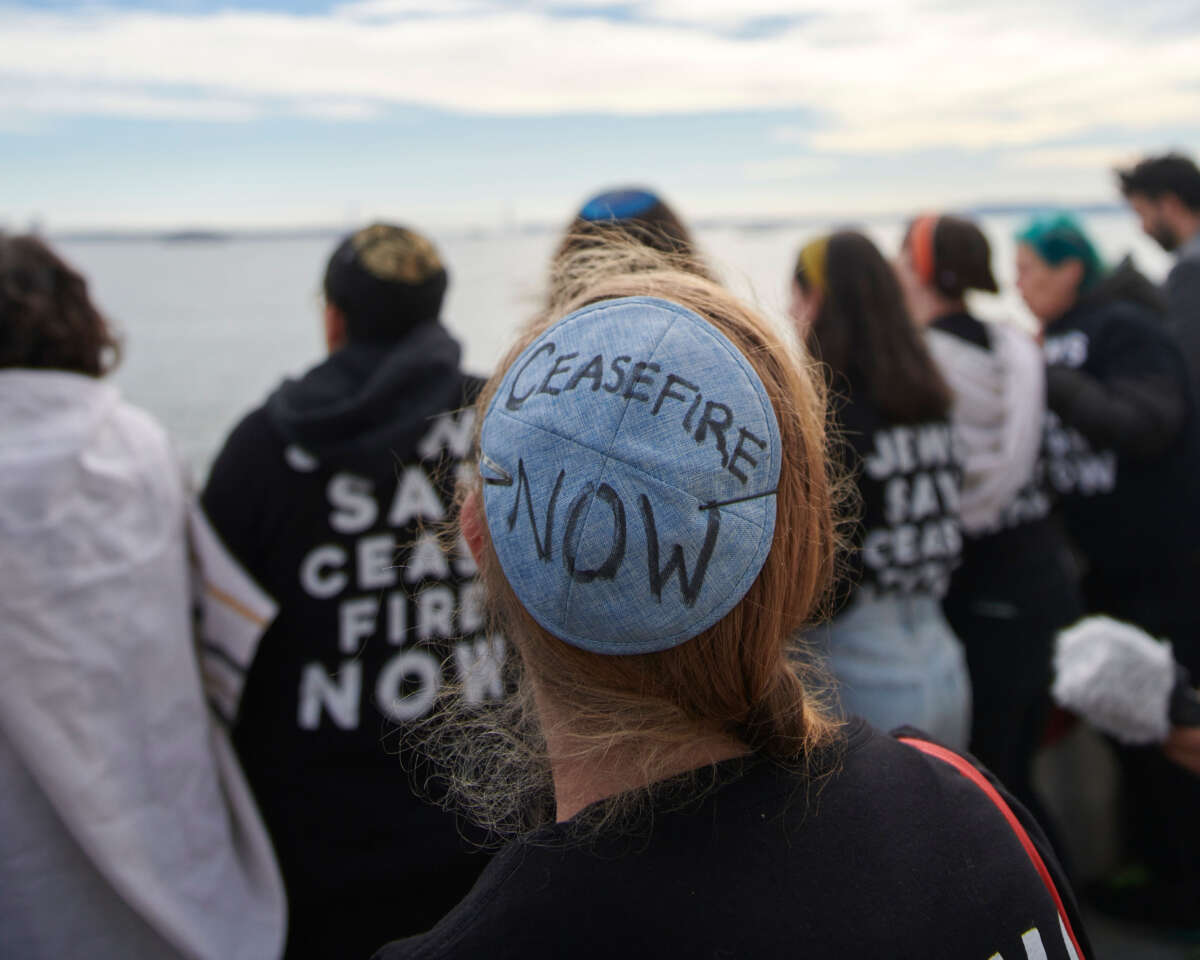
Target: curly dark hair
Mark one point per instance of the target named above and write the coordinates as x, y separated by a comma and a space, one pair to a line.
47, 319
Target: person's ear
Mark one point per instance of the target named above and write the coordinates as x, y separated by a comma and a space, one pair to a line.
335, 328
1074, 269
470, 522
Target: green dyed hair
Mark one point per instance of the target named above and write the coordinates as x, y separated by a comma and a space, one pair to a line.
1057, 237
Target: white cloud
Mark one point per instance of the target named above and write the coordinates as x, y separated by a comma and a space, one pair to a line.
883, 75
26, 102
790, 168
347, 110
1075, 158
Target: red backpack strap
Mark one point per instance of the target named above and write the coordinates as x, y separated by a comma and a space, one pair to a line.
968, 770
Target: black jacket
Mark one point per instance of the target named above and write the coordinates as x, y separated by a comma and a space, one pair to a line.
892, 854
329, 495
1123, 451
1183, 306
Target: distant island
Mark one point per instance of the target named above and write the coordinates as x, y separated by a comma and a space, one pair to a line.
197, 236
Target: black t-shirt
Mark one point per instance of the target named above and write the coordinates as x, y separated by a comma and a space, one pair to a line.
891, 854
909, 477
330, 495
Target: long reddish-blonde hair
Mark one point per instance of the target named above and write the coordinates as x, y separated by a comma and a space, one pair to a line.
745, 677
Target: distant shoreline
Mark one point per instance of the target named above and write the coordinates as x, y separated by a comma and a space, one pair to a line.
190, 236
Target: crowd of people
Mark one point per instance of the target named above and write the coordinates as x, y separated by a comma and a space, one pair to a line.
685, 632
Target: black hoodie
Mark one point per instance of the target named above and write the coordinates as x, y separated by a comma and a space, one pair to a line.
1123, 447
329, 494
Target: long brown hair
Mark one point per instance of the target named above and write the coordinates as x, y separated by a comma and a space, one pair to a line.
47, 319
863, 332
744, 677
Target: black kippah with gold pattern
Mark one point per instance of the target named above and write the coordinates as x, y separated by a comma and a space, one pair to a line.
385, 279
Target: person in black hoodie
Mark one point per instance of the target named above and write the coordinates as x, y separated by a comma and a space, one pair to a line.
327, 495
1125, 451
1123, 457
1016, 585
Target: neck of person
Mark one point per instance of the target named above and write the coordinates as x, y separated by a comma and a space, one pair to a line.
932, 304
586, 771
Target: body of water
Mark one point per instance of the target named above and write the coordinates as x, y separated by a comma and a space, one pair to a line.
211, 328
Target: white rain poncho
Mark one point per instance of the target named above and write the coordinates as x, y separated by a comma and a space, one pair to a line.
126, 828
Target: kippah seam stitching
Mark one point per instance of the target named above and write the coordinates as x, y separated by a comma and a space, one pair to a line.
607, 455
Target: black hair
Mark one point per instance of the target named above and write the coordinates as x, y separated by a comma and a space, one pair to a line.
1170, 173
47, 319
385, 280
863, 332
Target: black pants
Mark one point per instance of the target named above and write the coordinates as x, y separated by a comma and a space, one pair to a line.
1006, 603
1009, 659
1160, 801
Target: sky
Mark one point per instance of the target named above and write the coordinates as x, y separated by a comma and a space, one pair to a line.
490, 113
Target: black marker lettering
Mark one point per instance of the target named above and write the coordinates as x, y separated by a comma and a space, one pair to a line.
689, 588
608, 569
544, 548
741, 454
687, 421
594, 371
513, 402
557, 370
619, 371
636, 378
718, 427
666, 391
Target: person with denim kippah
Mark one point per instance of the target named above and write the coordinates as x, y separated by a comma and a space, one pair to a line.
654, 519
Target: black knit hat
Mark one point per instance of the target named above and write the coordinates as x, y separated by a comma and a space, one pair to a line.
385, 280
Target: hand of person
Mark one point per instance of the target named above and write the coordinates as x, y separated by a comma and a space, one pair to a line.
1183, 747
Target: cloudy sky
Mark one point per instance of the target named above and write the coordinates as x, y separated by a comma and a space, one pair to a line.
486, 112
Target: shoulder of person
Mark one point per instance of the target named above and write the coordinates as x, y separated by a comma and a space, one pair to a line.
252, 444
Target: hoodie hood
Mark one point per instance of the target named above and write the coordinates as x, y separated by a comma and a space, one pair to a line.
999, 402
1126, 282
370, 396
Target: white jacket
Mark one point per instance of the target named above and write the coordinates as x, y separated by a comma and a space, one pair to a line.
126, 828
998, 412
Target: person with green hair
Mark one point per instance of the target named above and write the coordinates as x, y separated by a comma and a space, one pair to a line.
1124, 443
1122, 454
1059, 237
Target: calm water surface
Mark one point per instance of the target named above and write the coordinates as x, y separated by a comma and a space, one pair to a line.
210, 329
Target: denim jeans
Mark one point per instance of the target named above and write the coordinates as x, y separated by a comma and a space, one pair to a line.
897, 662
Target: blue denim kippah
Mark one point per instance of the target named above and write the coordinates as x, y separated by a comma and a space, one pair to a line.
618, 205
630, 459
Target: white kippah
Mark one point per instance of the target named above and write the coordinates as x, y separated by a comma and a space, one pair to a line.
1116, 677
